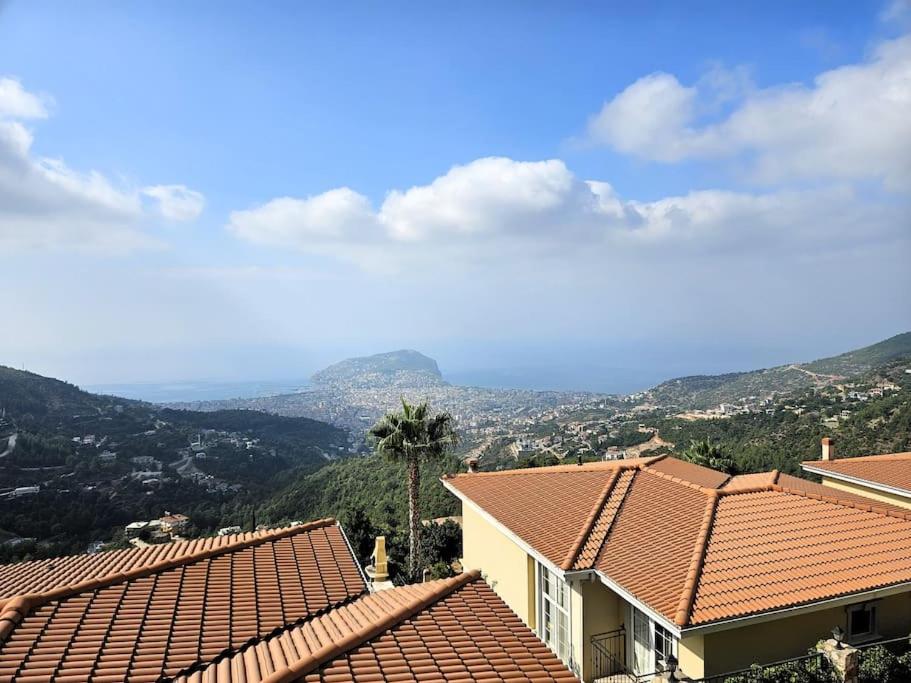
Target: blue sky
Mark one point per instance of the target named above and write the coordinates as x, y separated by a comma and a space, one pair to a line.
247, 190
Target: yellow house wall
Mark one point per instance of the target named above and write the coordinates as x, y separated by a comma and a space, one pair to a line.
691, 655
595, 609
506, 566
882, 496
777, 639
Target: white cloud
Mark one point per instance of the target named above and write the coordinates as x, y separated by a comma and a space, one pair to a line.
46, 204
852, 123
16, 102
334, 216
176, 202
498, 210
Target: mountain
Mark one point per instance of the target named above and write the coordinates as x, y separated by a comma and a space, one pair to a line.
395, 368
706, 391
861, 360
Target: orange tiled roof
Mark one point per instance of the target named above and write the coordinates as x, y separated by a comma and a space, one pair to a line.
154, 619
892, 470
687, 471
455, 630
695, 553
40, 575
547, 507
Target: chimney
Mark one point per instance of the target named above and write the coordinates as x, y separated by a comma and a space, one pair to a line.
379, 570
472, 465
828, 448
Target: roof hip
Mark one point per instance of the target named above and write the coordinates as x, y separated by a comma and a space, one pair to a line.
328, 652
697, 560
573, 553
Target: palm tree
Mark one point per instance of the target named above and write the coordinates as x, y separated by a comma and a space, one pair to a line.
412, 436
709, 454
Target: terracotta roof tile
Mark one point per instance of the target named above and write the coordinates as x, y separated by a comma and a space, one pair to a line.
546, 507
687, 471
793, 483
157, 618
774, 549
893, 469
454, 629
697, 553
650, 545
40, 575
749, 481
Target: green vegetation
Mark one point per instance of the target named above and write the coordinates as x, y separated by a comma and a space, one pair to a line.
83, 451
880, 664
413, 436
711, 455
706, 391
862, 360
760, 441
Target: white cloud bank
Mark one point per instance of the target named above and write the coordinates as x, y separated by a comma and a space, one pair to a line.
177, 202
46, 204
852, 123
498, 208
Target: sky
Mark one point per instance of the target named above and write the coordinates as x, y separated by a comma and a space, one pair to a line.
590, 195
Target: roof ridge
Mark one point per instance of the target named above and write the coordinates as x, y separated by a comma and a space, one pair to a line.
875, 509
576, 548
775, 486
16, 608
697, 561
677, 480
314, 660
595, 466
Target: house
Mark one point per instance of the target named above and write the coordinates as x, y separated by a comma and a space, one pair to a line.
174, 523
281, 605
883, 478
617, 565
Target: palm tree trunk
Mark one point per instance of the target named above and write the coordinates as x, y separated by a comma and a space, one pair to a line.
414, 518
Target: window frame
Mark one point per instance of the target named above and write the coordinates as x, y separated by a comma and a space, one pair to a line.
665, 635
560, 612
872, 633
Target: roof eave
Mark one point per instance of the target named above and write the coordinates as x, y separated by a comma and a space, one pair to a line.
834, 474
818, 605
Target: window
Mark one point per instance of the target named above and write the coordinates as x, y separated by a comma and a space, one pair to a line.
555, 614
861, 622
665, 645
651, 644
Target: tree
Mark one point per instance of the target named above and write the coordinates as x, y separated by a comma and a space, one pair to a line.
413, 436
709, 454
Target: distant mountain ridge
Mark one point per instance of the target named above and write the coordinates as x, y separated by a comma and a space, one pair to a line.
405, 367
705, 391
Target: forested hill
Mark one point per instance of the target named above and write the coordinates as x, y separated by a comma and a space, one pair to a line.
706, 391
395, 368
100, 462
26, 394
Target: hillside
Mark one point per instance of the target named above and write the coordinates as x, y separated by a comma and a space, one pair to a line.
100, 462
395, 368
789, 431
862, 360
706, 391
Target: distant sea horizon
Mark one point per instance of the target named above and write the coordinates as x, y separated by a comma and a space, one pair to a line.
198, 390
533, 379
